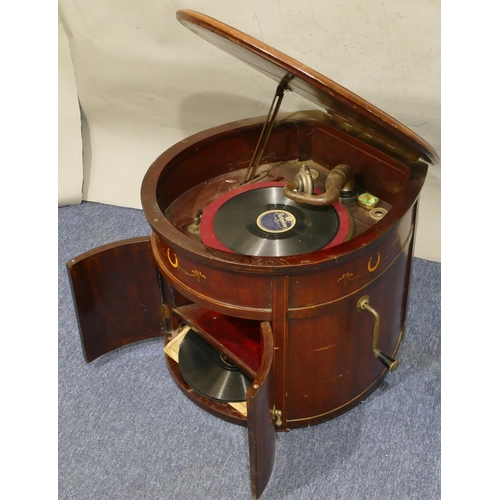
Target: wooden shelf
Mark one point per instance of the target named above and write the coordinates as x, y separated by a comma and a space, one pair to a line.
238, 339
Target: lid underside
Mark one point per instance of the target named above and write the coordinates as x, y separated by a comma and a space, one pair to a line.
352, 114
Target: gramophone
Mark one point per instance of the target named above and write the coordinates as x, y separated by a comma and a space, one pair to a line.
279, 261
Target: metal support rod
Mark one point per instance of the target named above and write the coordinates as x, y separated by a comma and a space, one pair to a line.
264, 135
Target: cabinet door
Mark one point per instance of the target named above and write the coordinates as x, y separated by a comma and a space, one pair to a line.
260, 406
116, 293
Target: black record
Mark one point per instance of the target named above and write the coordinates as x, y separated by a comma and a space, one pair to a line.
264, 222
209, 372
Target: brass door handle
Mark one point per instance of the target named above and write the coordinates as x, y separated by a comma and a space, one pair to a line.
364, 305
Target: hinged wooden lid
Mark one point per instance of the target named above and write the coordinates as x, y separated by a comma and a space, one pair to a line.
351, 114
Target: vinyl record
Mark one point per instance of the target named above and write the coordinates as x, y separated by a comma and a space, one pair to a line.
259, 220
209, 372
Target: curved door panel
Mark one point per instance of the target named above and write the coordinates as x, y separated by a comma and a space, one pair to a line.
116, 293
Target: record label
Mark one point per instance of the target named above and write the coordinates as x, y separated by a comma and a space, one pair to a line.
276, 221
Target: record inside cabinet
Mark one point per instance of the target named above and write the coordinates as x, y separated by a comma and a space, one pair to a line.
210, 372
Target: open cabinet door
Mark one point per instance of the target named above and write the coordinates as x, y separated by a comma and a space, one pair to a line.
117, 296
261, 429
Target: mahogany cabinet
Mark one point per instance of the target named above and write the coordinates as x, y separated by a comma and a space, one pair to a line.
315, 332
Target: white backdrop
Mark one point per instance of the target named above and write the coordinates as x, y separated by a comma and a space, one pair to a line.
69, 130
144, 81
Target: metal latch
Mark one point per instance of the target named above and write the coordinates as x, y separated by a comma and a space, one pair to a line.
276, 414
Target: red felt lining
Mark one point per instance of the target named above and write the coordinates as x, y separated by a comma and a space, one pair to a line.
207, 232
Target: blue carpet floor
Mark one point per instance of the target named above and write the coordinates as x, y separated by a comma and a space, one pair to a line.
127, 432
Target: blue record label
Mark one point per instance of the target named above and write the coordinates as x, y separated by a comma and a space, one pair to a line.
276, 221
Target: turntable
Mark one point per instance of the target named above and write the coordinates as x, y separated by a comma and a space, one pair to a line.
279, 262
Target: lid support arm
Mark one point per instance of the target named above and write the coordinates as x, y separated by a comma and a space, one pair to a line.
264, 135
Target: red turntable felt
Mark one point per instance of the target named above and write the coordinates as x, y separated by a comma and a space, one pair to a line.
258, 219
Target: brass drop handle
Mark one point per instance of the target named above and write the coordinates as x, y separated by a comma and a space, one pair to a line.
364, 305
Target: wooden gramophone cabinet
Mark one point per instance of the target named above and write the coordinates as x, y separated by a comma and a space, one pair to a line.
316, 332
